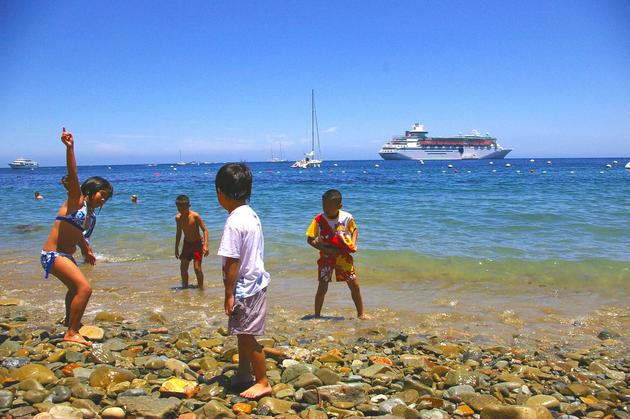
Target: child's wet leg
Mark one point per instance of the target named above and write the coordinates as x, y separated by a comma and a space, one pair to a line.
183, 268
79, 294
257, 357
322, 288
355, 292
198, 273
243, 375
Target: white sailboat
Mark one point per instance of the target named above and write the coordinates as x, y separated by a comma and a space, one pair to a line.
181, 162
275, 159
309, 159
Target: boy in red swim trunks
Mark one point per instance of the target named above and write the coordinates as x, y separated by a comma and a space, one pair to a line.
194, 247
334, 233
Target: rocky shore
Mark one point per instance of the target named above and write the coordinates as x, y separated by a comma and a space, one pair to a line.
156, 369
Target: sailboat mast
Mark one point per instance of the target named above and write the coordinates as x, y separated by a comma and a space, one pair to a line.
312, 120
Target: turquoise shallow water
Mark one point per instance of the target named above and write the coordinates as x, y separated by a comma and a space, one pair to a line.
566, 221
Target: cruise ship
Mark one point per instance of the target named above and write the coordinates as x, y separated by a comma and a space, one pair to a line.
21, 163
416, 145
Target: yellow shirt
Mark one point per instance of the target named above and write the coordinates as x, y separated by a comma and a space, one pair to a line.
344, 222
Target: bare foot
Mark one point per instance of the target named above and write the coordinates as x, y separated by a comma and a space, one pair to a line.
64, 322
256, 391
76, 338
366, 317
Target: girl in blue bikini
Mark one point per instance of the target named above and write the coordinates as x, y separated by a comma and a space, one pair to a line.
73, 226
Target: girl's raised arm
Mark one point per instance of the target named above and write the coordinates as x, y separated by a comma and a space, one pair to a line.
74, 189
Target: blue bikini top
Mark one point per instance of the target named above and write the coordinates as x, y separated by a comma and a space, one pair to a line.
78, 218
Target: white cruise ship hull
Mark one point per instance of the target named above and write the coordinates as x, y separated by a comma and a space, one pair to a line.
410, 153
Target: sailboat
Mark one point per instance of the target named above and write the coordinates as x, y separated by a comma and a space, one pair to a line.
181, 162
275, 159
309, 159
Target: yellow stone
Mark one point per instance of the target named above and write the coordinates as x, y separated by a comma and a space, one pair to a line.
242, 408
92, 332
9, 302
37, 372
589, 400
334, 355
464, 410
180, 387
381, 360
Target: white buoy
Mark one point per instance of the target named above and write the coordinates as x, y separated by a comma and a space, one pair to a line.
377, 165
443, 171
628, 165
468, 171
508, 165
419, 171
518, 171
548, 161
572, 171
609, 166
365, 171
174, 168
491, 162
602, 172
335, 164
109, 167
343, 171
450, 166
615, 162
531, 160
421, 161
544, 172
494, 170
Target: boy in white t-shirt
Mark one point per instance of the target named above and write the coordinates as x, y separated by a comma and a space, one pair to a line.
244, 277
334, 233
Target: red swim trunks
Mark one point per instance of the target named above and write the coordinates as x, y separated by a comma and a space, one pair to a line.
192, 250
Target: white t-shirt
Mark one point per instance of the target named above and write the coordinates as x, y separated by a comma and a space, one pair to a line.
243, 240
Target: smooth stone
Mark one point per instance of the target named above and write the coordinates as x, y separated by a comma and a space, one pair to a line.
460, 376
92, 332
274, 405
10, 345
56, 356
103, 376
432, 414
37, 372
327, 376
387, 406
579, 389
180, 387
106, 316
307, 380
148, 406
87, 407
82, 372
60, 394
6, 399
30, 384
374, 369
115, 344
10, 302
82, 391
15, 362
101, 355
43, 415
457, 391
113, 413
74, 357
354, 393
65, 412
478, 402
292, 372
154, 364
214, 409
22, 411
35, 396
515, 412
543, 400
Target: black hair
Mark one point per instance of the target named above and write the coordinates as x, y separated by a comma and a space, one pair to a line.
95, 184
182, 200
332, 195
234, 180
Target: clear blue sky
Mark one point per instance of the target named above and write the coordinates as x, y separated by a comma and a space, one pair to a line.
138, 81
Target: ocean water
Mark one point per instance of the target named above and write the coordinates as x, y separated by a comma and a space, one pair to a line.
535, 236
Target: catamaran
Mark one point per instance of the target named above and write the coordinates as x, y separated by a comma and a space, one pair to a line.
309, 159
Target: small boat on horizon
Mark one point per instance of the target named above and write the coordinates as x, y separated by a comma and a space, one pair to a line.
309, 159
275, 159
22, 163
